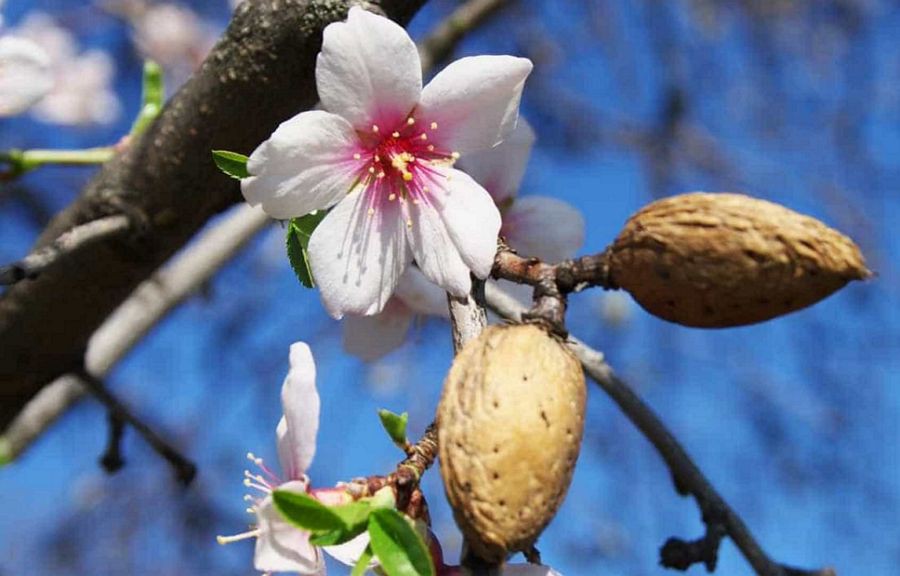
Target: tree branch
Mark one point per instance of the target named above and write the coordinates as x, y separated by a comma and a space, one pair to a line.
689, 479
151, 302
77, 238
264, 66
440, 43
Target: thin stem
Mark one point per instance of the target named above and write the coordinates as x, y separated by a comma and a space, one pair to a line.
185, 470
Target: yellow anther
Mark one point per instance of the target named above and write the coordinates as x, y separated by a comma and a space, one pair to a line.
434, 125
392, 197
407, 176
375, 128
410, 121
357, 156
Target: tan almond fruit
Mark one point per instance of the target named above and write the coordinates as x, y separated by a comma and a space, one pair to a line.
720, 260
510, 423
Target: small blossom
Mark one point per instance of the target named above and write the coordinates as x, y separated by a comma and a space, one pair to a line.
382, 152
25, 74
280, 546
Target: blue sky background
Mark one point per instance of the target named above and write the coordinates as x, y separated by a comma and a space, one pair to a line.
796, 421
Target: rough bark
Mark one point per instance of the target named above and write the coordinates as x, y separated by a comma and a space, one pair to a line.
260, 73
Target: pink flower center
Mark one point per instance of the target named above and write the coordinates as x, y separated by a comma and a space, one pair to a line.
400, 165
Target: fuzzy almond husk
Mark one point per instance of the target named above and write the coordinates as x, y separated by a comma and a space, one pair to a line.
719, 260
510, 424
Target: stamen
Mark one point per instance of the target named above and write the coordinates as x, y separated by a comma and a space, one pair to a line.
371, 211
381, 174
357, 156
238, 537
407, 176
395, 134
371, 169
454, 155
434, 125
423, 136
392, 197
375, 128
430, 146
377, 158
410, 121
409, 223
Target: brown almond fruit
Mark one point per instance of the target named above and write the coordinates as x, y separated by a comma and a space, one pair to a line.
720, 260
510, 423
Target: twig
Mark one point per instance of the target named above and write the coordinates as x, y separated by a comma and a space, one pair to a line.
148, 305
689, 479
112, 460
552, 282
467, 316
185, 470
75, 239
443, 39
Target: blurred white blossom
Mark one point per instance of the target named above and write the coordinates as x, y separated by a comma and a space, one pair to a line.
82, 82
25, 74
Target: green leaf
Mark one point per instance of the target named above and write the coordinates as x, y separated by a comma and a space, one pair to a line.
306, 512
355, 517
395, 425
363, 563
298, 234
231, 163
152, 98
400, 550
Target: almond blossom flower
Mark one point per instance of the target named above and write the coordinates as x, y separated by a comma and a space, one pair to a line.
281, 546
537, 226
25, 75
382, 152
82, 82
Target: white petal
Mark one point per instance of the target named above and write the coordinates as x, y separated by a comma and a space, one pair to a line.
282, 547
349, 552
371, 337
433, 247
421, 295
25, 74
307, 164
543, 227
500, 169
472, 219
300, 401
368, 71
474, 101
357, 258
528, 570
